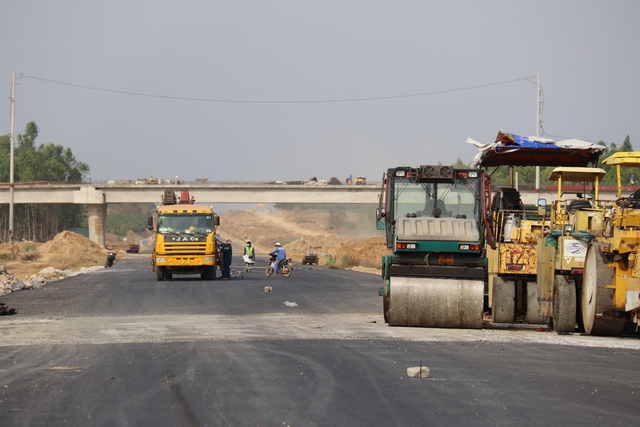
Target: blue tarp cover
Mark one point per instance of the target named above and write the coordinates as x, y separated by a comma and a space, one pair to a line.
514, 150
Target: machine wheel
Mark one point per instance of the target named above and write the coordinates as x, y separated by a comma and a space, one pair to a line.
385, 308
269, 270
564, 304
286, 270
503, 305
159, 274
532, 315
595, 295
436, 302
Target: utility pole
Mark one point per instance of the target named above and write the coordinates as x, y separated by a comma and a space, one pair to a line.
11, 185
538, 108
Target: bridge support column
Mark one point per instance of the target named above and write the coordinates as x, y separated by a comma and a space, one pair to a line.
97, 222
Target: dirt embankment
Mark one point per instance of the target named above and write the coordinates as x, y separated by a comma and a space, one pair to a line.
340, 239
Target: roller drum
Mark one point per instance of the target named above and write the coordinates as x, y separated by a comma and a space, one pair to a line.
436, 303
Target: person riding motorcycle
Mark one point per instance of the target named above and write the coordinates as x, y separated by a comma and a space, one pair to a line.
280, 254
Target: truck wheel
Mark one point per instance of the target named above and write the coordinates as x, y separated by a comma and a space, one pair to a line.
564, 305
209, 273
159, 274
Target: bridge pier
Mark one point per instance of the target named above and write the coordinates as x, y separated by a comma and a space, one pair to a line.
97, 222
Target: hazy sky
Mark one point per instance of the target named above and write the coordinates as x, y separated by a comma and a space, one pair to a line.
285, 90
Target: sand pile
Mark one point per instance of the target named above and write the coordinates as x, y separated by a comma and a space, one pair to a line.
74, 250
27, 265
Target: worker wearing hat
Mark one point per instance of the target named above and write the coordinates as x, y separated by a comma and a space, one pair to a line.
250, 251
280, 255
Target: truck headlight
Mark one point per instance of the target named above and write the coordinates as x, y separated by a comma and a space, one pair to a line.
208, 259
161, 259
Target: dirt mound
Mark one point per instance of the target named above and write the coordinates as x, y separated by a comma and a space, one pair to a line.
333, 236
133, 237
364, 253
69, 250
68, 242
22, 251
110, 237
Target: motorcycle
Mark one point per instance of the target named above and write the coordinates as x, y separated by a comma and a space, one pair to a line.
110, 258
284, 267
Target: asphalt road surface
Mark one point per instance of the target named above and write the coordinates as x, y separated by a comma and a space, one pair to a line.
116, 348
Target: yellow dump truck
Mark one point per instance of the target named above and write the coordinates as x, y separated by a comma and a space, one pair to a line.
184, 237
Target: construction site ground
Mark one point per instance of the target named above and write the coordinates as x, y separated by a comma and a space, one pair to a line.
342, 241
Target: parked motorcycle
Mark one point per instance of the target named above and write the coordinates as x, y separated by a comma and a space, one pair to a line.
110, 258
284, 267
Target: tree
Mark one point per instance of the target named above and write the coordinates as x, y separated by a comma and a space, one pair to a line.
52, 163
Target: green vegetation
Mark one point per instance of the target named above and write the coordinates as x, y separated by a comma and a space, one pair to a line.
348, 261
124, 217
331, 261
121, 224
32, 163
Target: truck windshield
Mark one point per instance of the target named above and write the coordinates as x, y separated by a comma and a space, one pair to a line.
188, 224
419, 199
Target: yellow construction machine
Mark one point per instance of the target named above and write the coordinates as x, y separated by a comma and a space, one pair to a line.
574, 222
611, 281
512, 251
513, 259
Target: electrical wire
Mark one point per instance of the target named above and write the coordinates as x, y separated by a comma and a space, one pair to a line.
376, 98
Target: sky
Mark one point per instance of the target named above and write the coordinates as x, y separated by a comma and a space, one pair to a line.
261, 91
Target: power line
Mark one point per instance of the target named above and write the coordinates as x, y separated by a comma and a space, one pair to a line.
376, 98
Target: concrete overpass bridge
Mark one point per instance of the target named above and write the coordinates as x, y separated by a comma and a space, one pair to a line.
97, 197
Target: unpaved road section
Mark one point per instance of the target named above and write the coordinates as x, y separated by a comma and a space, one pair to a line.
171, 328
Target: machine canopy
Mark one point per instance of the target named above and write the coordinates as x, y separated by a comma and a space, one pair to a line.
514, 150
